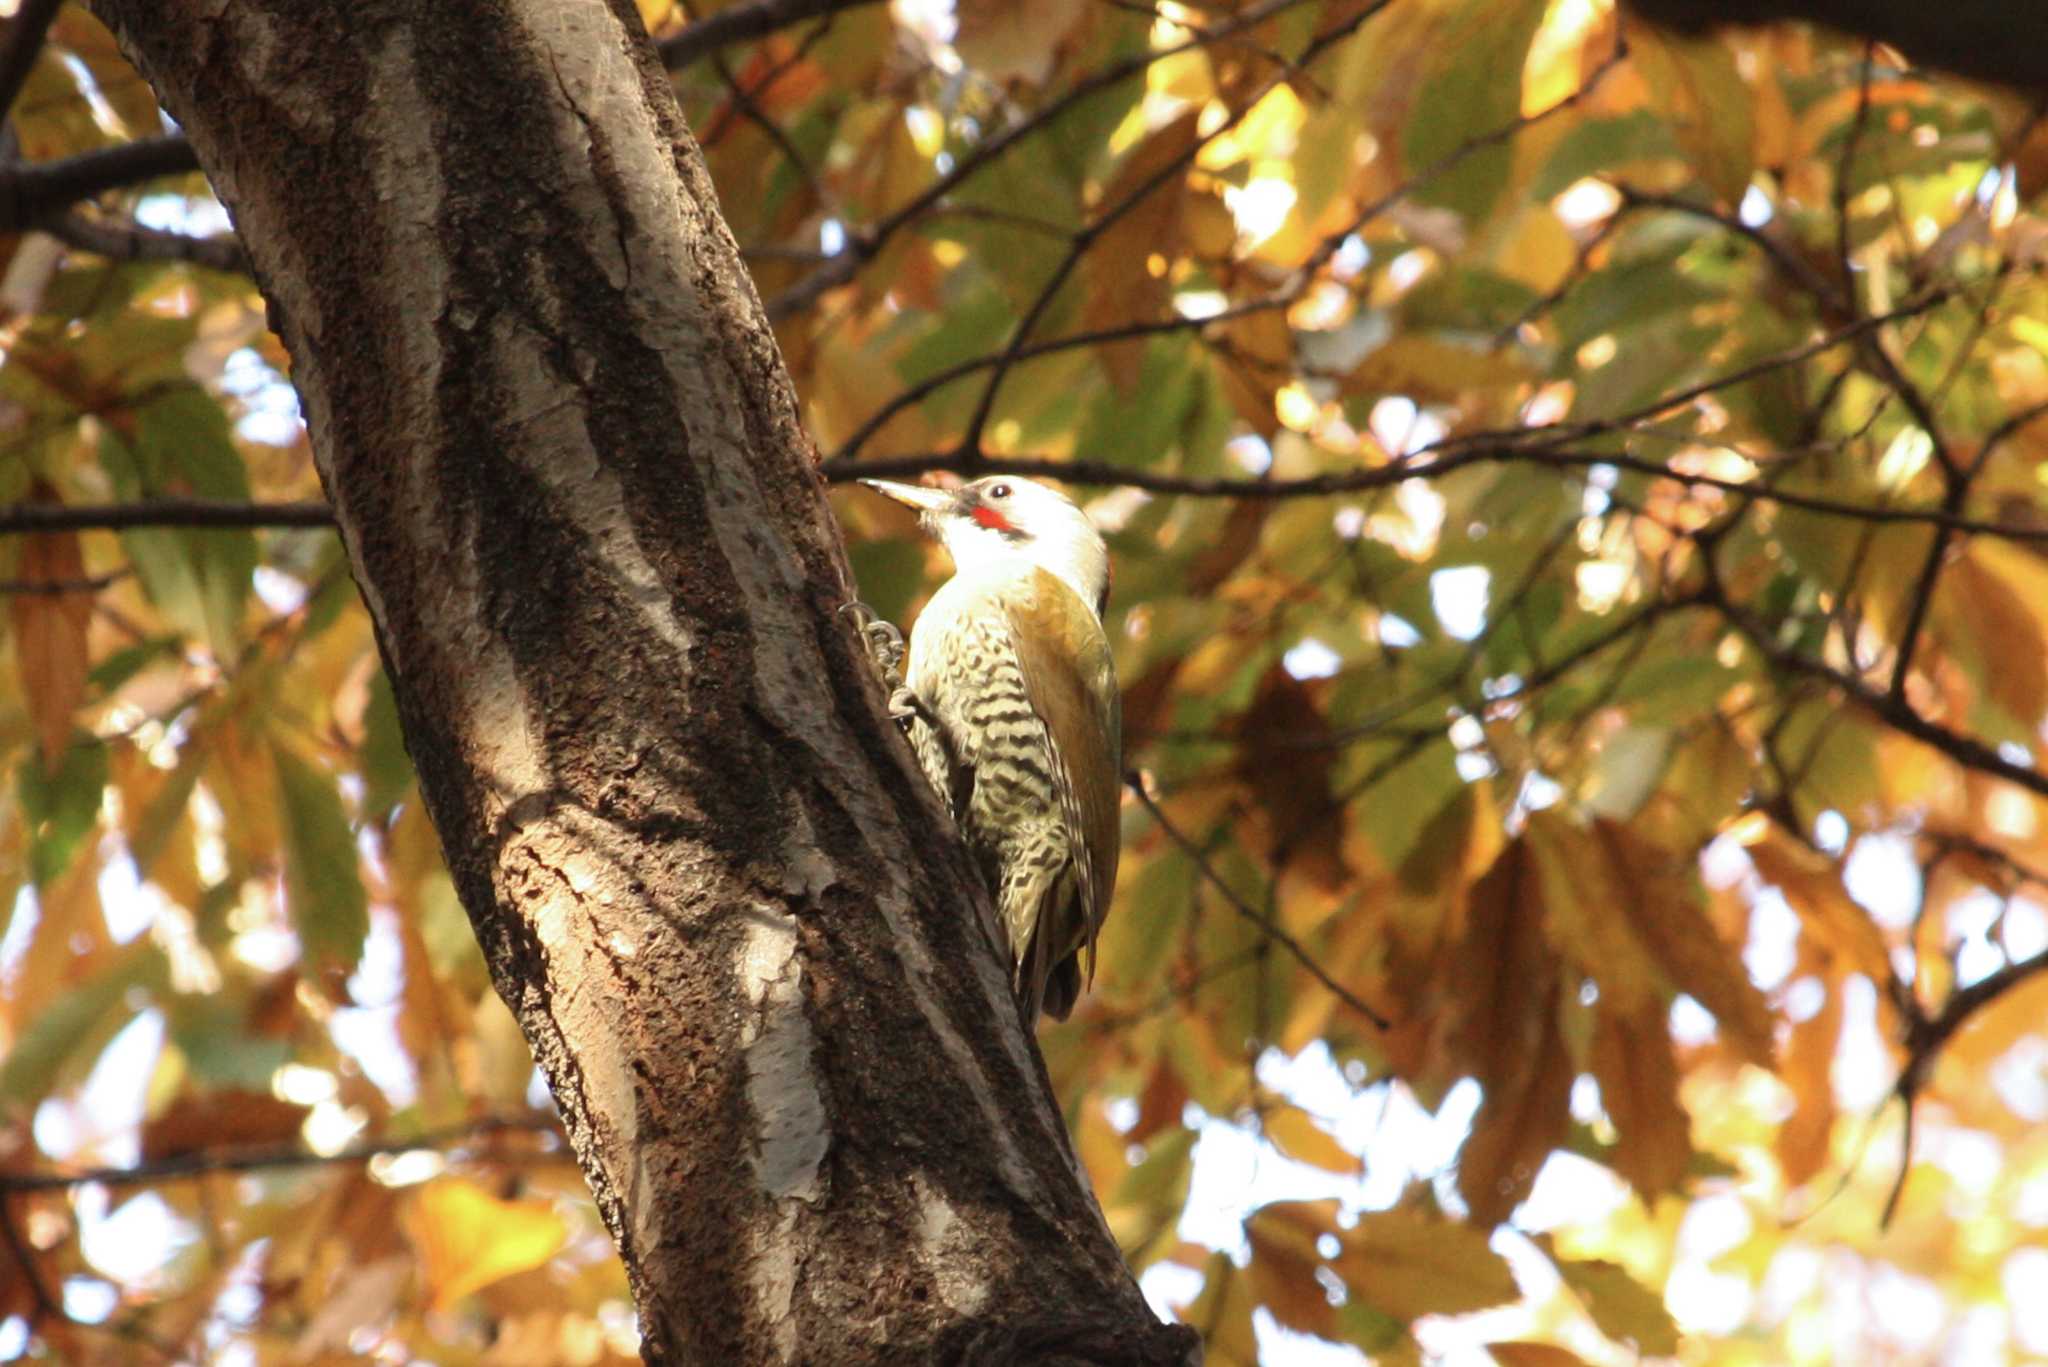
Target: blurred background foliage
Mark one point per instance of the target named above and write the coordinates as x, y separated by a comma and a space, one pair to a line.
1578, 503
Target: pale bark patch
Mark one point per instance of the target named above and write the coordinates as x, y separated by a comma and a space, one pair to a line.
946, 1247
792, 1130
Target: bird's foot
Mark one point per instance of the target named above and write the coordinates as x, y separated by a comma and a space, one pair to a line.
885, 647
906, 706
883, 641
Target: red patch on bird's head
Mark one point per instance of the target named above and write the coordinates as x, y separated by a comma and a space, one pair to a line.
988, 517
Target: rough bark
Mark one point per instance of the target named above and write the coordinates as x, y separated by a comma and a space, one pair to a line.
565, 459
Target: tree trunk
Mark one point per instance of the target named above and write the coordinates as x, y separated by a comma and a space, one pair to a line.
750, 955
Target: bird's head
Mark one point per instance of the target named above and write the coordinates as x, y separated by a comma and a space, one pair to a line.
1007, 519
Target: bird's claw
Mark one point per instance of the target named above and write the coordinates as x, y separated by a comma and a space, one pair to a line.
885, 644
885, 647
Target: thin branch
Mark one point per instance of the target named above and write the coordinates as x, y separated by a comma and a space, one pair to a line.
742, 23
31, 192
92, 583
1888, 708
17, 518
203, 1162
1271, 928
125, 241
1386, 476
863, 245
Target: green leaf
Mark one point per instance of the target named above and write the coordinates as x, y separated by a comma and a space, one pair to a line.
182, 447
1472, 88
74, 1019
1128, 434
889, 574
387, 768
61, 808
153, 827
323, 886
1160, 1181
124, 664
213, 1032
1696, 85
1604, 147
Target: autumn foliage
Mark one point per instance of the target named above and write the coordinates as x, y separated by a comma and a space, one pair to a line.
1582, 598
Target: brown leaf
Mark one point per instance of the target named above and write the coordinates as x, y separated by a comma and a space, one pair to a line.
1227, 549
1638, 1075
1161, 1103
1283, 1237
1287, 768
1521, 1354
1254, 358
1508, 975
1804, 1138
1518, 1125
1505, 971
50, 638
1121, 285
1663, 897
197, 1122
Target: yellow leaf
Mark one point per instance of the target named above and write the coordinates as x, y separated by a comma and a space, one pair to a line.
1005, 41
1626, 1311
1299, 1137
1224, 1313
1696, 86
49, 638
1587, 903
1996, 592
1429, 370
1410, 1263
1638, 1076
1812, 886
466, 1238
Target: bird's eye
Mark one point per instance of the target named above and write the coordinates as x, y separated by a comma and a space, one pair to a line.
998, 491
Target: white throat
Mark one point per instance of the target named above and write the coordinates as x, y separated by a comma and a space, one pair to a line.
1062, 542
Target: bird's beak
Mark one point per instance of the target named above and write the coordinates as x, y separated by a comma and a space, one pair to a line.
916, 495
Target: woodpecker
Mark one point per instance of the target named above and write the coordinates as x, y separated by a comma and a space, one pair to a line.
1014, 715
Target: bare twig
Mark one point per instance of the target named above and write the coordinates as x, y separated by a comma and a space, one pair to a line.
742, 23
159, 512
1272, 929
260, 1158
121, 241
